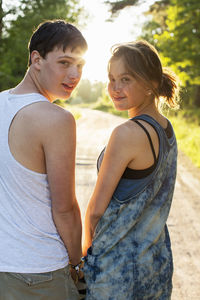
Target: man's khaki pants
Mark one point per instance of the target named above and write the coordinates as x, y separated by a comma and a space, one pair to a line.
56, 285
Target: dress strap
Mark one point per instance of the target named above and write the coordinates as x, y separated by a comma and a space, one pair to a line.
149, 138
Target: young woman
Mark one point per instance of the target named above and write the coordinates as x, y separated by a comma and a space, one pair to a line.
127, 241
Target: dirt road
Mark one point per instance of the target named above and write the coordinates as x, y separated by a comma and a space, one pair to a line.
93, 131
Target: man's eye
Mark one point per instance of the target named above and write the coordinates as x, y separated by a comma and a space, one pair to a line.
80, 66
65, 63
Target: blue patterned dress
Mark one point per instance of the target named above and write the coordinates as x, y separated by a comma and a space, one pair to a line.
130, 257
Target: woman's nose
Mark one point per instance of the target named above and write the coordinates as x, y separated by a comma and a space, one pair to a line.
116, 86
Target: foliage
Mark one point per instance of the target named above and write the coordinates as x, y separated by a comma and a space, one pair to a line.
175, 31
13, 48
87, 92
116, 6
186, 125
105, 104
180, 42
5, 10
157, 24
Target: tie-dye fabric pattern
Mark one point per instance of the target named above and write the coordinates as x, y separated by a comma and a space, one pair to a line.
130, 257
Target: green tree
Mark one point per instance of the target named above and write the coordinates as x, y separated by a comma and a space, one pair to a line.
175, 31
116, 6
88, 92
179, 42
4, 11
1, 18
14, 52
157, 23
84, 90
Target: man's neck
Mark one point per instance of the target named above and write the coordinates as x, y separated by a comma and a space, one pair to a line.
26, 86
29, 85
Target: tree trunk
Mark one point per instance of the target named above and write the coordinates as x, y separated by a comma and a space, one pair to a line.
197, 96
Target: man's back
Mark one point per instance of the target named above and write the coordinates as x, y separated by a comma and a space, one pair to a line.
25, 205
40, 222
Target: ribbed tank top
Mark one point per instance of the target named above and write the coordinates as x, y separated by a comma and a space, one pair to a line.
29, 241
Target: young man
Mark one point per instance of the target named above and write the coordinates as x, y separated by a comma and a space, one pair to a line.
40, 224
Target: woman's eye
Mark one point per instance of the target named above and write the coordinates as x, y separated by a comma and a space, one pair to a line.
111, 79
125, 79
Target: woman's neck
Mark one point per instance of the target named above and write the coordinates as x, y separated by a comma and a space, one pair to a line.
149, 109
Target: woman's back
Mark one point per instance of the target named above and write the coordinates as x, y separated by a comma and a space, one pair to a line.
127, 241
131, 246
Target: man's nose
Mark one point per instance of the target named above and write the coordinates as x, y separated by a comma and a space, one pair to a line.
74, 73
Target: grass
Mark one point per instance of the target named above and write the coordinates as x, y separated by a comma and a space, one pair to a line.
186, 125
108, 107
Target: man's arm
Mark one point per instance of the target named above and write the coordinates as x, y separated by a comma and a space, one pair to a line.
59, 148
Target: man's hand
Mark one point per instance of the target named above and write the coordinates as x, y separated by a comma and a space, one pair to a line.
79, 280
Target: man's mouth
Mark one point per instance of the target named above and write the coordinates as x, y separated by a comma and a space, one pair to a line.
68, 87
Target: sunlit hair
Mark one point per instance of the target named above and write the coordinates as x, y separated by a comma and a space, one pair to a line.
55, 33
142, 61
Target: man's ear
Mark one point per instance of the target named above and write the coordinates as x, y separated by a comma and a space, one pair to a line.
36, 59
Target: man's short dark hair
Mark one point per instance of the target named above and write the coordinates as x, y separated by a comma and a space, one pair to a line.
55, 33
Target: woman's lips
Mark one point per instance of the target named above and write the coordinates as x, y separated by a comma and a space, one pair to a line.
118, 98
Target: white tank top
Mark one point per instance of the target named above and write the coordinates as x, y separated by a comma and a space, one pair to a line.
29, 241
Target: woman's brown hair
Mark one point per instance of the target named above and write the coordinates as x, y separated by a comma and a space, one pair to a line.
142, 61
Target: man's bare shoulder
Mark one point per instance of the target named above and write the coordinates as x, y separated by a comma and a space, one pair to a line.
47, 115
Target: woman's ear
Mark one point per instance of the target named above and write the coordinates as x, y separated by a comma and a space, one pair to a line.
36, 59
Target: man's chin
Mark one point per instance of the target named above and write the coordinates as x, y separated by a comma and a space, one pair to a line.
64, 97
67, 96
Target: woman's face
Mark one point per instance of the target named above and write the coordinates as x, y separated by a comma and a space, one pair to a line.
125, 90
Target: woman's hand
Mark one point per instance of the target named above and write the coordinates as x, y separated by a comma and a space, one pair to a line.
78, 278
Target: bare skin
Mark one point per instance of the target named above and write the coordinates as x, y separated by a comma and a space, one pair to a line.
46, 138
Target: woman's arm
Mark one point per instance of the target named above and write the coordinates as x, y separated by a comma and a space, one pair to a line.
116, 158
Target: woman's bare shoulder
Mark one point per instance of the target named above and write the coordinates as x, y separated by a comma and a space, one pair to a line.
126, 131
126, 138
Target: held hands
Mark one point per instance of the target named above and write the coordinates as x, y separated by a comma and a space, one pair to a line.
78, 277
76, 271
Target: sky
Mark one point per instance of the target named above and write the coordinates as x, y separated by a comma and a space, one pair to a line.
102, 35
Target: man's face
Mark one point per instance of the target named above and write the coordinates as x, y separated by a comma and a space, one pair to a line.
60, 72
